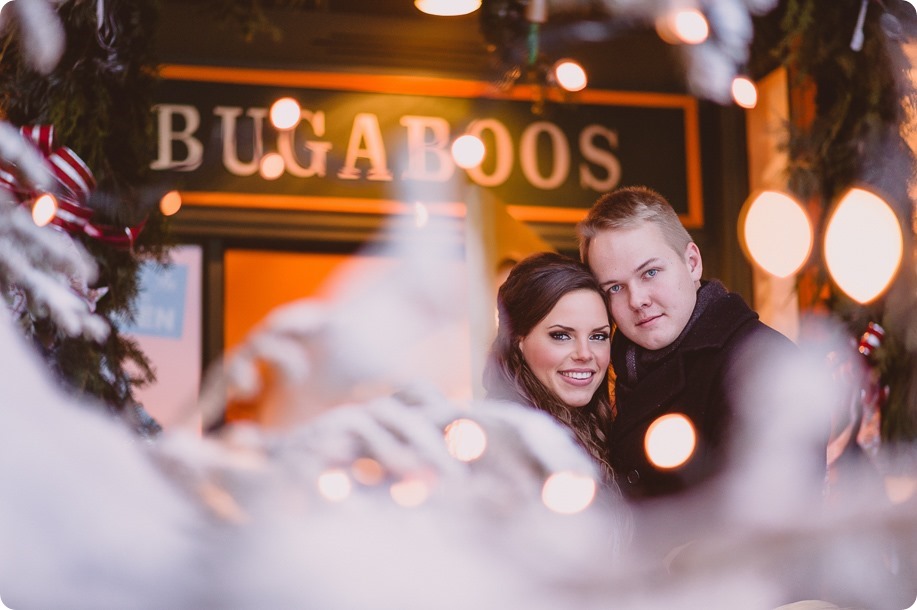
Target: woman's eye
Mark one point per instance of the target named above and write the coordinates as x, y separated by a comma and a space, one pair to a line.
560, 336
652, 272
600, 337
614, 289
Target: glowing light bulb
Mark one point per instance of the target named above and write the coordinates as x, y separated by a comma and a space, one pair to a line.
271, 166
776, 233
863, 245
465, 440
683, 26
570, 75
468, 151
170, 203
44, 209
568, 492
334, 485
285, 113
670, 441
744, 92
447, 8
410, 492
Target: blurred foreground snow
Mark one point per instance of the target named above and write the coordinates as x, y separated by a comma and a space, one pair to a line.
356, 501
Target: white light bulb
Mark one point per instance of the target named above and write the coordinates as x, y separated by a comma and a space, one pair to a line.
334, 485
468, 151
568, 492
670, 441
285, 113
570, 75
271, 166
44, 209
863, 245
776, 233
744, 92
465, 440
447, 8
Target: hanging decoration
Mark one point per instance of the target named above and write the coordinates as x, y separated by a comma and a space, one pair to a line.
75, 182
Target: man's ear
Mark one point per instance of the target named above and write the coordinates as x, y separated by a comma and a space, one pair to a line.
694, 261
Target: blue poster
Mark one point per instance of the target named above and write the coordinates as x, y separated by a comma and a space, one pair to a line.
161, 301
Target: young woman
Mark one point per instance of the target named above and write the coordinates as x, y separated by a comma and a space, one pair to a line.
552, 348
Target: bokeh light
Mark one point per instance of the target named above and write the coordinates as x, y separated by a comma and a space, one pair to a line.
367, 471
334, 485
271, 166
465, 440
670, 441
744, 92
285, 113
468, 151
170, 203
568, 492
863, 245
776, 233
447, 8
683, 26
410, 492
44, 209
570, 75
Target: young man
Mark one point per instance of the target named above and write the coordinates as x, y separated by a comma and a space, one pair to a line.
681, 344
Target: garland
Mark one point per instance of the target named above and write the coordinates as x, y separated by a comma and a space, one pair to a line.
860, 97
98, 99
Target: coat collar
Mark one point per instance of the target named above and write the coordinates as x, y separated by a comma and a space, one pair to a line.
656, 388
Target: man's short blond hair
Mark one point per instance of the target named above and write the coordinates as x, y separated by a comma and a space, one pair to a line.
627, 207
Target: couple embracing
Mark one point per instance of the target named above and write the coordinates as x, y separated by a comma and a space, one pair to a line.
676, 343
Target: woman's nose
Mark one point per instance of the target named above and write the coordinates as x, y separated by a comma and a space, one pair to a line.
582, 350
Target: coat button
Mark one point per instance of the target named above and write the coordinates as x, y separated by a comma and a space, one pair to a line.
633, 477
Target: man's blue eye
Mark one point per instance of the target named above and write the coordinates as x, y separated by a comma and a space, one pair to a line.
614, 289
652, 272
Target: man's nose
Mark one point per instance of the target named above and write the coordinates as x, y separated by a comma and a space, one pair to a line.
639, 298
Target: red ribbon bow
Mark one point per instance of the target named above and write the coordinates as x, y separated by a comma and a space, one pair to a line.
76, 182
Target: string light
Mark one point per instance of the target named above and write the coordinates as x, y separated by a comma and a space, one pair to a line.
44, 209
334, 485
684, 26
271, 166
863, 245
447, 8
568, 492
468, 151
744, 92
670, 441
170, 203
775, 232
285, 113
465, 440
570, 75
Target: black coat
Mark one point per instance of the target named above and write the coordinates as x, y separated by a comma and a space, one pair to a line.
698, 379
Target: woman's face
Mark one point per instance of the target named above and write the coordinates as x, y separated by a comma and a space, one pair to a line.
568, 350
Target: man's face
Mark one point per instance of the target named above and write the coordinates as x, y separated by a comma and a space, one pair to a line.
651, 288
